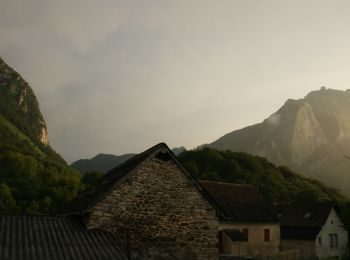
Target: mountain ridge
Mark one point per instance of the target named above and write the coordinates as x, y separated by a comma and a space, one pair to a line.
308, 135
20, 105
104, 162
33, 177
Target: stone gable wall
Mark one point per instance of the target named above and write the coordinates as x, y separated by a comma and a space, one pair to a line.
159, 214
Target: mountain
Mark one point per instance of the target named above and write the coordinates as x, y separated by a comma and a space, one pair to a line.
100, 163
309, 135
278, 184
20, 106
104, 162
33, 177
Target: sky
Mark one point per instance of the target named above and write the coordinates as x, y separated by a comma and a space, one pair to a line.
120, 76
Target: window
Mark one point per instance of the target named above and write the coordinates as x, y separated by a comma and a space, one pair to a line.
246, 233
266, 234
333, 240
320, 240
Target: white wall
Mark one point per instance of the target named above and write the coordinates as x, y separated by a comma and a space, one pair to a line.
333, 225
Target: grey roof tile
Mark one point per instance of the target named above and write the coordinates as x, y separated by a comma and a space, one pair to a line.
239, 202
51, 237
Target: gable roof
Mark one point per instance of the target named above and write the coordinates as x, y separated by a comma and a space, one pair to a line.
303, 222
308, 215
90, 197
239, 202
43, 237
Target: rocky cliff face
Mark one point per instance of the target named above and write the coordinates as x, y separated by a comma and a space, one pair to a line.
19, 105
310, 135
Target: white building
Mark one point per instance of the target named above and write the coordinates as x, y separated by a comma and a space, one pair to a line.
315, 229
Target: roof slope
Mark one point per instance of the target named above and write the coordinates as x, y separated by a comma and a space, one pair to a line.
44, 237
309, 215
240, 202
303, 222
89, 198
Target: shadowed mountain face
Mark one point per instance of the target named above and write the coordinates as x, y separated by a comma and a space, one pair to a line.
309, 135
104, 162
100, 163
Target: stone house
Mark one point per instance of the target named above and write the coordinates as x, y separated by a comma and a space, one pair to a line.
157, 209
315, 229
247, 224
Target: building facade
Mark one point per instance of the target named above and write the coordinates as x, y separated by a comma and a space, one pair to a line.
155, 206
248, 226
315, 229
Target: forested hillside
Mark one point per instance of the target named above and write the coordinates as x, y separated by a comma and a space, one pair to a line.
33, 177
277, 184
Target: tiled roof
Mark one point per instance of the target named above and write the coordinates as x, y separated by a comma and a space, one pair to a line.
54, 238
89, 198
312, 215
303, 222
239, 202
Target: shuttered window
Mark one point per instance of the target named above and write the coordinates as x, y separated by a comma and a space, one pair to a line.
266, 234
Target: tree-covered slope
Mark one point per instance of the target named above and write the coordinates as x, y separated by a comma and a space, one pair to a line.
33, 177
310, 135
277, 184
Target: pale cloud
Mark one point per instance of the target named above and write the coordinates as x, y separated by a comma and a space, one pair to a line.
82, 24
118, 76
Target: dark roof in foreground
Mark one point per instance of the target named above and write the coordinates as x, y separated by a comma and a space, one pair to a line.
90, 197
239, 202
54, 238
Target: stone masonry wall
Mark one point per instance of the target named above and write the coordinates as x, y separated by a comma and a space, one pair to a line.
159, 214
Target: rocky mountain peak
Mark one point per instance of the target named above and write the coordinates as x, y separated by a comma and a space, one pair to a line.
20, 105
308, 135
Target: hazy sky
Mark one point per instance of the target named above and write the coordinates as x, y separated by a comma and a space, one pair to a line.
121, 76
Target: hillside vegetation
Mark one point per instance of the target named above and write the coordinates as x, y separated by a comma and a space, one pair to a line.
309, 136
278, 185
33, 177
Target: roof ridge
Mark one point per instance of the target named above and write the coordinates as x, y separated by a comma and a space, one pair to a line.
90, 197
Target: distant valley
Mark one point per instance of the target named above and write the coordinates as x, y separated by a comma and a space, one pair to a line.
104, 162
